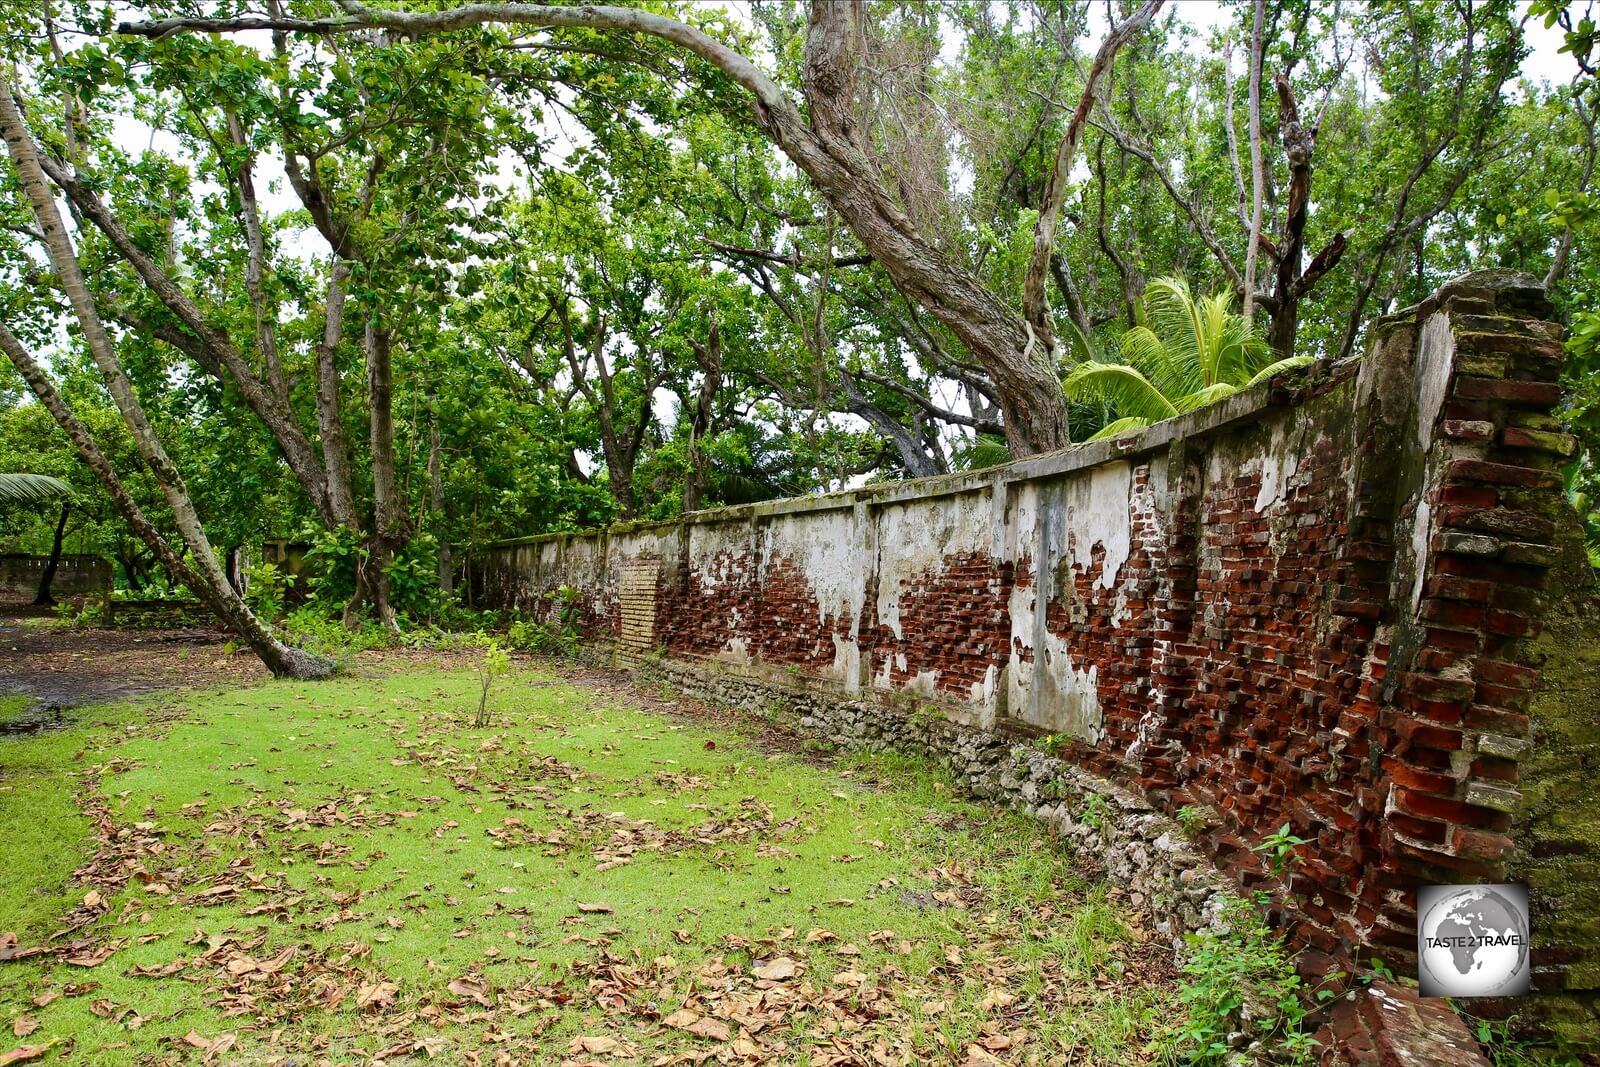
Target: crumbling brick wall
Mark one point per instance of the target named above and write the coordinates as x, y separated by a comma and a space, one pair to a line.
1309, 604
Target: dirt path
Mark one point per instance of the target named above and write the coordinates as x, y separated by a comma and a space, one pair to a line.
62, 667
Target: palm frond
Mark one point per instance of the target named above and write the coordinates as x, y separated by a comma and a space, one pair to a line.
1209, 395
1123, 386
1118, 428
1081, 348
1172, 315
1271, 369
19, 490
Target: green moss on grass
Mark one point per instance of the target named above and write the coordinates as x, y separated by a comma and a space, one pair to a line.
379, 823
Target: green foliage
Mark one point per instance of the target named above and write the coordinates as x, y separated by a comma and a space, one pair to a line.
413, 576
1243, 970
265, 588
1279, 850
1096, 812
333, 560
1183, 354
1191, 819
311, 627
496, 661
560, 632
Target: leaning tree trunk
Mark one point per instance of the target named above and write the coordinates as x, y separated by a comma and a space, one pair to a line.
205, 577
43, 598
281, 659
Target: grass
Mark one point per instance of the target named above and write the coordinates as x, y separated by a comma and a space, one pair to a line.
439, 890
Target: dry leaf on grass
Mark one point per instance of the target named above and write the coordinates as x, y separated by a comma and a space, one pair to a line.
24, 1053
598, 1044
776, 970
92, 958
376, 996
10, 950
695, 1023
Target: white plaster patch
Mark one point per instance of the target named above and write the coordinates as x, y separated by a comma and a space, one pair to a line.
925, 682
1421, 524
735, 651
827, 549
847, 663
982, 693
1278, 466
1097, 514
1435, 361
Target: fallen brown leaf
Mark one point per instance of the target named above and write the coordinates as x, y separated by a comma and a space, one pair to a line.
776, 970
376, 996
23, 1053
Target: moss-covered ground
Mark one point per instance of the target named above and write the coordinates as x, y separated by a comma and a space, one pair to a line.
348, 872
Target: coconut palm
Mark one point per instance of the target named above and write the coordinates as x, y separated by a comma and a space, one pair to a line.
1184, 354
19, 490
24, 490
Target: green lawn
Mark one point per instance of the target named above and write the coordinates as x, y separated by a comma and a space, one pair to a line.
330, 872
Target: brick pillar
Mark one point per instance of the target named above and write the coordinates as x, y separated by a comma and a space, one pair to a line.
1458, 687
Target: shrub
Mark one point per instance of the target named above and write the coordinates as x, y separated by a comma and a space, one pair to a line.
1240, 986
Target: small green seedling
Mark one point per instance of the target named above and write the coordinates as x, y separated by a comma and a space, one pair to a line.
496, 661
1191, 819
1278, 849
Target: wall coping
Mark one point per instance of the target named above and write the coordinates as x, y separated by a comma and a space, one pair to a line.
1284, 391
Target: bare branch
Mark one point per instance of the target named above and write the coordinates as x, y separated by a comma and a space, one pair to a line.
1035, 310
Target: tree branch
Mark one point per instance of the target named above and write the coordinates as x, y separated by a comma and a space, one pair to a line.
1035, 310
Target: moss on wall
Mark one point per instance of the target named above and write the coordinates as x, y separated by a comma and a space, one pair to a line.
1559, 835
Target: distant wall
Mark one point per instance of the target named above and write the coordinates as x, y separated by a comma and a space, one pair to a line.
75, 575
1309, 604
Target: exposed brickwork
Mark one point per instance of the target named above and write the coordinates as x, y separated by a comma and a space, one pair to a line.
636, 600
1309, 605
1388, 1025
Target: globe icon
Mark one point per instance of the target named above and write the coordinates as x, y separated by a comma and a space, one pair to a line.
1473, 941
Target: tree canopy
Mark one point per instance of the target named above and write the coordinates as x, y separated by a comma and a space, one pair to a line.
397, 280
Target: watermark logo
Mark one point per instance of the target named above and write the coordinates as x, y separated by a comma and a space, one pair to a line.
1472, 940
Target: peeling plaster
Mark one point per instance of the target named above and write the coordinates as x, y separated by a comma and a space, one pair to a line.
1278, 467
915, 539
828, 549
1097, 513
1436, 358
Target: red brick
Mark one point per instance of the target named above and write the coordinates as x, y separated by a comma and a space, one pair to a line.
1471, 496
1476, 470
1482, 844
1531, 394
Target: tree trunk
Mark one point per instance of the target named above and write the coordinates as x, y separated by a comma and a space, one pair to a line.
236, 569
205, 577
389, 517
43, 598
1292, 283
330, 423
436, 497
1257, 166
709, 357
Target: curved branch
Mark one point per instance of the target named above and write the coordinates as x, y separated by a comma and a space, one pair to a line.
1034, 309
